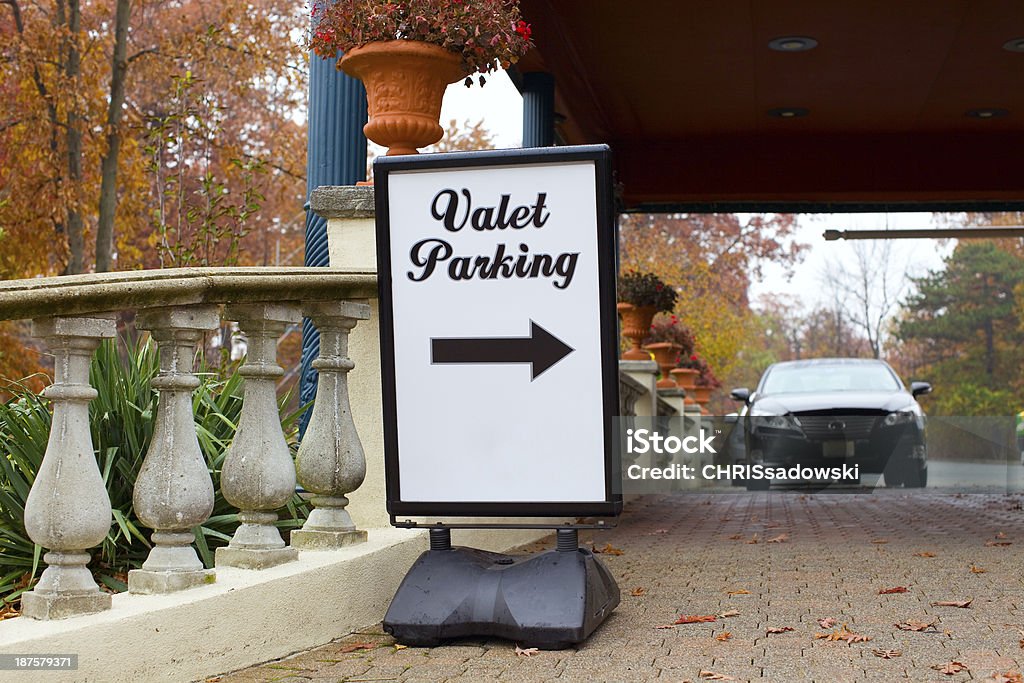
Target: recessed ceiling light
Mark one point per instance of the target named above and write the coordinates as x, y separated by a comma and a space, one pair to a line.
1014, 45
793, 44
788, 112
987, 113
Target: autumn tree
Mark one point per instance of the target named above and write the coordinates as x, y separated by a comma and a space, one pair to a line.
88, 84
145, 133
711, 259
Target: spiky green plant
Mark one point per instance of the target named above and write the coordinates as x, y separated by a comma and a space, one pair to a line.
121, 419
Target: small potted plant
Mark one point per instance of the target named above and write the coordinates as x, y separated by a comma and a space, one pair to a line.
406, 52
688, 369
667, 340
706, 383
641, 296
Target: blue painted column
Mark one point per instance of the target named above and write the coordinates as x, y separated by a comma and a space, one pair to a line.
538, 109
336, 155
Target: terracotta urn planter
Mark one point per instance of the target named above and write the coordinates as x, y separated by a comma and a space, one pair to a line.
702, 394
636, 324
405, 82
686, 378
665, 355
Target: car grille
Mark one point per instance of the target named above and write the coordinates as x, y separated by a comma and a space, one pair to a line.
849, 427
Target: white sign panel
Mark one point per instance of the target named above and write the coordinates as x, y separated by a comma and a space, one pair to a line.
497, 298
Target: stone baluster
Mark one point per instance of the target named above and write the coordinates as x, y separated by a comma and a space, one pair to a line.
174, 491
330, 462
68, 509
258, 476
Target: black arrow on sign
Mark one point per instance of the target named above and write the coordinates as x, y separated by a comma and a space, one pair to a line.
541, 349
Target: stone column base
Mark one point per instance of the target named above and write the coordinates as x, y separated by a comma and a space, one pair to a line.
313, 539
245, 558
144, 582
46, 606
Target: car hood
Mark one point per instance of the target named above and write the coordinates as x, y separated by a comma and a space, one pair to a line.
780, 404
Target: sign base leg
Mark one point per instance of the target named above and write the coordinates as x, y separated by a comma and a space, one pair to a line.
550, 601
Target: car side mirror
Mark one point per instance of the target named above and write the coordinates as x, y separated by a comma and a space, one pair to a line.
920, 388
741, 394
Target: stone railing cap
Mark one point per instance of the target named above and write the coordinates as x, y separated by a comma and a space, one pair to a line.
343, 201
632, 383
140, 289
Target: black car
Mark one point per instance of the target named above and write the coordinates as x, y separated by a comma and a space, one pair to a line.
835, 411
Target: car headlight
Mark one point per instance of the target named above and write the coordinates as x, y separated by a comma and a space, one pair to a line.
761, 420
898, 418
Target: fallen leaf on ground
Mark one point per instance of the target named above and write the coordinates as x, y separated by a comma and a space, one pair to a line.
694, 618
8, 612
740, 591
827, 622
1006, 677
712, 676
399, 646
844, 634
998, 544
918, 626
213, 679
879, 540
888, 654
638, 591
352, 647
527, 652
723, 636
666, 626
729, 613
952, 603
926, 553
735, 537
975, 569
896, 589
753, 540
778, 629
608, 549
950, 668
781, 538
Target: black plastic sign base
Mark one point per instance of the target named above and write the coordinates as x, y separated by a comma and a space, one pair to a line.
550, 601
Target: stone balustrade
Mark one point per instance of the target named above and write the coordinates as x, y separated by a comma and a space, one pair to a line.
68, 512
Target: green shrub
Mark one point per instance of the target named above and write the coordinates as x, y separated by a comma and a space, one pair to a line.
121, 418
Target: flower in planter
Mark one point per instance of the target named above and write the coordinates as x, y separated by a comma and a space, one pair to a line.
487, 34
646, 289
667, 328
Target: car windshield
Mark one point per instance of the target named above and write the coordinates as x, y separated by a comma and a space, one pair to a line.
798, 379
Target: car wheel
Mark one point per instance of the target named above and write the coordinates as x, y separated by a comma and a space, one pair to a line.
893, 478
915, 476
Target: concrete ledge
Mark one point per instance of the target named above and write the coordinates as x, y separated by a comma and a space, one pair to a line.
245, 618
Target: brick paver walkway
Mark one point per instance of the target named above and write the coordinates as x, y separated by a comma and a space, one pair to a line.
779, 560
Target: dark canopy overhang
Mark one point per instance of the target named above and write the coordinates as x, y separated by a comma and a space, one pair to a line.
683, 91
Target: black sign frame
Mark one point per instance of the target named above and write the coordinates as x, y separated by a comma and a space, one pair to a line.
607, 244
